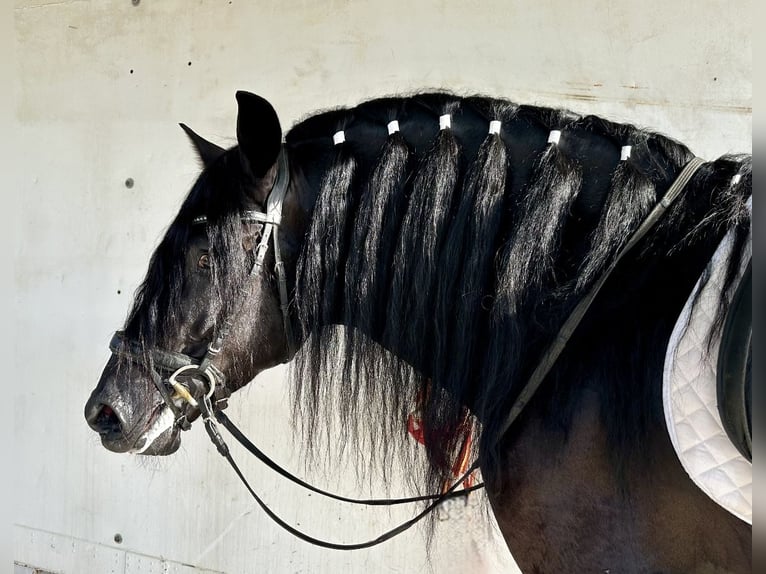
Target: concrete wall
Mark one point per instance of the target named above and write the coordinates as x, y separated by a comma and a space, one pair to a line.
98, 89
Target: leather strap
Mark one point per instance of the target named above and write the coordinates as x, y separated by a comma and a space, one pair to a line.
734, 379
260, 455
171, 362
226, 453
271, 220
567, 329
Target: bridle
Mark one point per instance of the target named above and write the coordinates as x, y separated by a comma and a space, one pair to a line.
203, 370
205, 380
209, 381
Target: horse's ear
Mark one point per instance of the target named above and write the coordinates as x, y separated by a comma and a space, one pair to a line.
258, 132
208, 151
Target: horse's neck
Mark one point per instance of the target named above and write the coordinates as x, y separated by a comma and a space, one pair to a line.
578, 515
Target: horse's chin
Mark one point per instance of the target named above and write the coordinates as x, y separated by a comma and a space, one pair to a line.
167, 443
157, 436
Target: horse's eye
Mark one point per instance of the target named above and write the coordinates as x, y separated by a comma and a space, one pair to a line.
204, 261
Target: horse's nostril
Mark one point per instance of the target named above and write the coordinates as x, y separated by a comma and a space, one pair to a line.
106, 421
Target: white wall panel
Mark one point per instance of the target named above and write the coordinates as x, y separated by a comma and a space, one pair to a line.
98, 90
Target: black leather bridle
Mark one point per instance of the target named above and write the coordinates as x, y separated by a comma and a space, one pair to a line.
211, 410
166, 366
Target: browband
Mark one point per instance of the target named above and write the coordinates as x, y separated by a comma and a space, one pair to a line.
275, 200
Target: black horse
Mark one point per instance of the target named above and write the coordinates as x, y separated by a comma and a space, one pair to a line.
427, 252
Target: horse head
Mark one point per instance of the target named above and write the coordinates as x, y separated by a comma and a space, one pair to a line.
201, 285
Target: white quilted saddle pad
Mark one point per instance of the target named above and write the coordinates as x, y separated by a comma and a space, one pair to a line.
691, 406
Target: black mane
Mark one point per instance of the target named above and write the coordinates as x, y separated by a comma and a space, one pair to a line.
439, 264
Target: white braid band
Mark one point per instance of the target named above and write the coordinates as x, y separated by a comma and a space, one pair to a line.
494, 126
736, 179
625, 152
554, 136
339, 137
393, 127
445, 122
